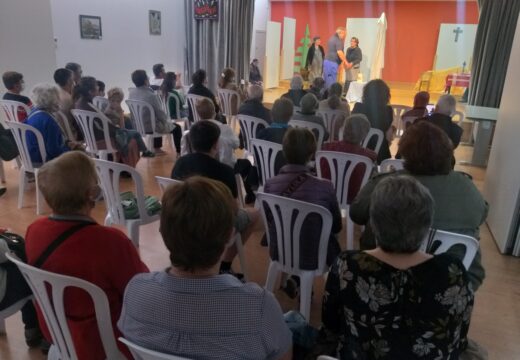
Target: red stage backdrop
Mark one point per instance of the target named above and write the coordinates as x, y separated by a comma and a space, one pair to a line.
412, 33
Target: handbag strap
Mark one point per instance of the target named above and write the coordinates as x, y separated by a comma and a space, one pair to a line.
58, 241
295, 184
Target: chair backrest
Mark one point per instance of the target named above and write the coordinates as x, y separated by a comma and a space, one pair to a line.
378, 134
225, 97
164, 182
388, 165
48, 289
100, 102
441, 241
341, 167
20, 131
64, 122
314, 128
265, 153
88, 121
398, 111
192, 102
249, 126
11, 109
109, 174
288, 216
458, 114
140, 353
331, 118
406, 122
177, 106
138, 109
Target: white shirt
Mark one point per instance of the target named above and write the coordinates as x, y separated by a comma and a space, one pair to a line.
156, 82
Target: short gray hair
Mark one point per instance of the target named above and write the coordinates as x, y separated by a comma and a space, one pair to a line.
356, 129
446, 105
255, 92
297, 82
401, 213
282, 110
46, 97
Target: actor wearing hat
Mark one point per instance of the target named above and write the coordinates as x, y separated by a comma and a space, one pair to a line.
315, 57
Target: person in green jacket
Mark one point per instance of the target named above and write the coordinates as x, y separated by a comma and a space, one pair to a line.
459, 206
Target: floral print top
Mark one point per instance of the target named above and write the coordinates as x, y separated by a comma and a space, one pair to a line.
380, 312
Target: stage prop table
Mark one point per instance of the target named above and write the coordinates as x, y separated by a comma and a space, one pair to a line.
355, 91
459, 80
484, 119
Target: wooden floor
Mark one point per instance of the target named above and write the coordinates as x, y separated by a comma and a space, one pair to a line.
496, 317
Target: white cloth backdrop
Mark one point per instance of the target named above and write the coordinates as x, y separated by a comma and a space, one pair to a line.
365, 29
455, 46
288, 47
272, 55
378, 61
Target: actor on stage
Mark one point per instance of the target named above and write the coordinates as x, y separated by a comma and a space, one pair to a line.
315, 57
354, 57
335, 57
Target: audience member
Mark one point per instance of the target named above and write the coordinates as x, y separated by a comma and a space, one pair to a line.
309, 104
396, 301
8, 147
296, 182
101, 88
459, 206
296, 91
142, 92
158, 76
335, 90
13, 82
64, 79
204, 136
441, 117
355, 130
198, 87
281, 112
255, 77
174, 99
375, 105
420, 101
77, 71
227, 81
88, 252
46, 102
318, 87
210, 315
253, 105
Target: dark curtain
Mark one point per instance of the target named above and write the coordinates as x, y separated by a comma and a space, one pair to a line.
495, 33
213, 45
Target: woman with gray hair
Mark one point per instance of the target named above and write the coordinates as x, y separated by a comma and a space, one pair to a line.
396, 301
296, 91
46, 101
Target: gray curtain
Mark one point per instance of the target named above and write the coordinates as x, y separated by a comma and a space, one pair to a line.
495, 33
213, 45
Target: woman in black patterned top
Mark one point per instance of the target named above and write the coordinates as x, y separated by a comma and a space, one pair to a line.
397, 302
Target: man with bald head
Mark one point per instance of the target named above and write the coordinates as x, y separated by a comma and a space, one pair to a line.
335, 57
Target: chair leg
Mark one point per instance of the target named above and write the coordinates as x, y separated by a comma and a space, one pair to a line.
21, 187
241, 255
272, 274
133, 232
149, 143
306, 282
2, 172
39, 197
350, 233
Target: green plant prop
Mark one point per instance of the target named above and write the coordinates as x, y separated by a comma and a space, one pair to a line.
301, 51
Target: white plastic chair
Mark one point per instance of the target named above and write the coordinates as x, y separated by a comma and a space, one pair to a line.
460, 115
265, 153
52, 306
249, 126
20, 131
100, 102
398, 111
164, 182
88, 120
225, 98
314, 128
140, 353
331, 118
11, 310
288, 216
109, 175
446, 240
11, 109
341, 167
373, 132
138, 109
178, 119
66, 125
192, 102
388, 165
406, 121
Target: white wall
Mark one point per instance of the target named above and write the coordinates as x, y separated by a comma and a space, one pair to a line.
26, 42
261, 17
126, 44
502, 186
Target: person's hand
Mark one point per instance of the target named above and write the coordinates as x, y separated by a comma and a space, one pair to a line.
348, 65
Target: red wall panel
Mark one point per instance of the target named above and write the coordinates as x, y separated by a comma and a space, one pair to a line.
412, 33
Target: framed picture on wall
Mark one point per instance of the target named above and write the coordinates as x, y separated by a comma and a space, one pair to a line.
205, 9
154, 18
90, 27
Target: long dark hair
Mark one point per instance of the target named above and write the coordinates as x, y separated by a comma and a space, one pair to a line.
376, 97
228, 74
168, 84
84, 87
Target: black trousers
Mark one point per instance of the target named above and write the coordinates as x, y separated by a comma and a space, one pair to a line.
177, 135
17, 289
